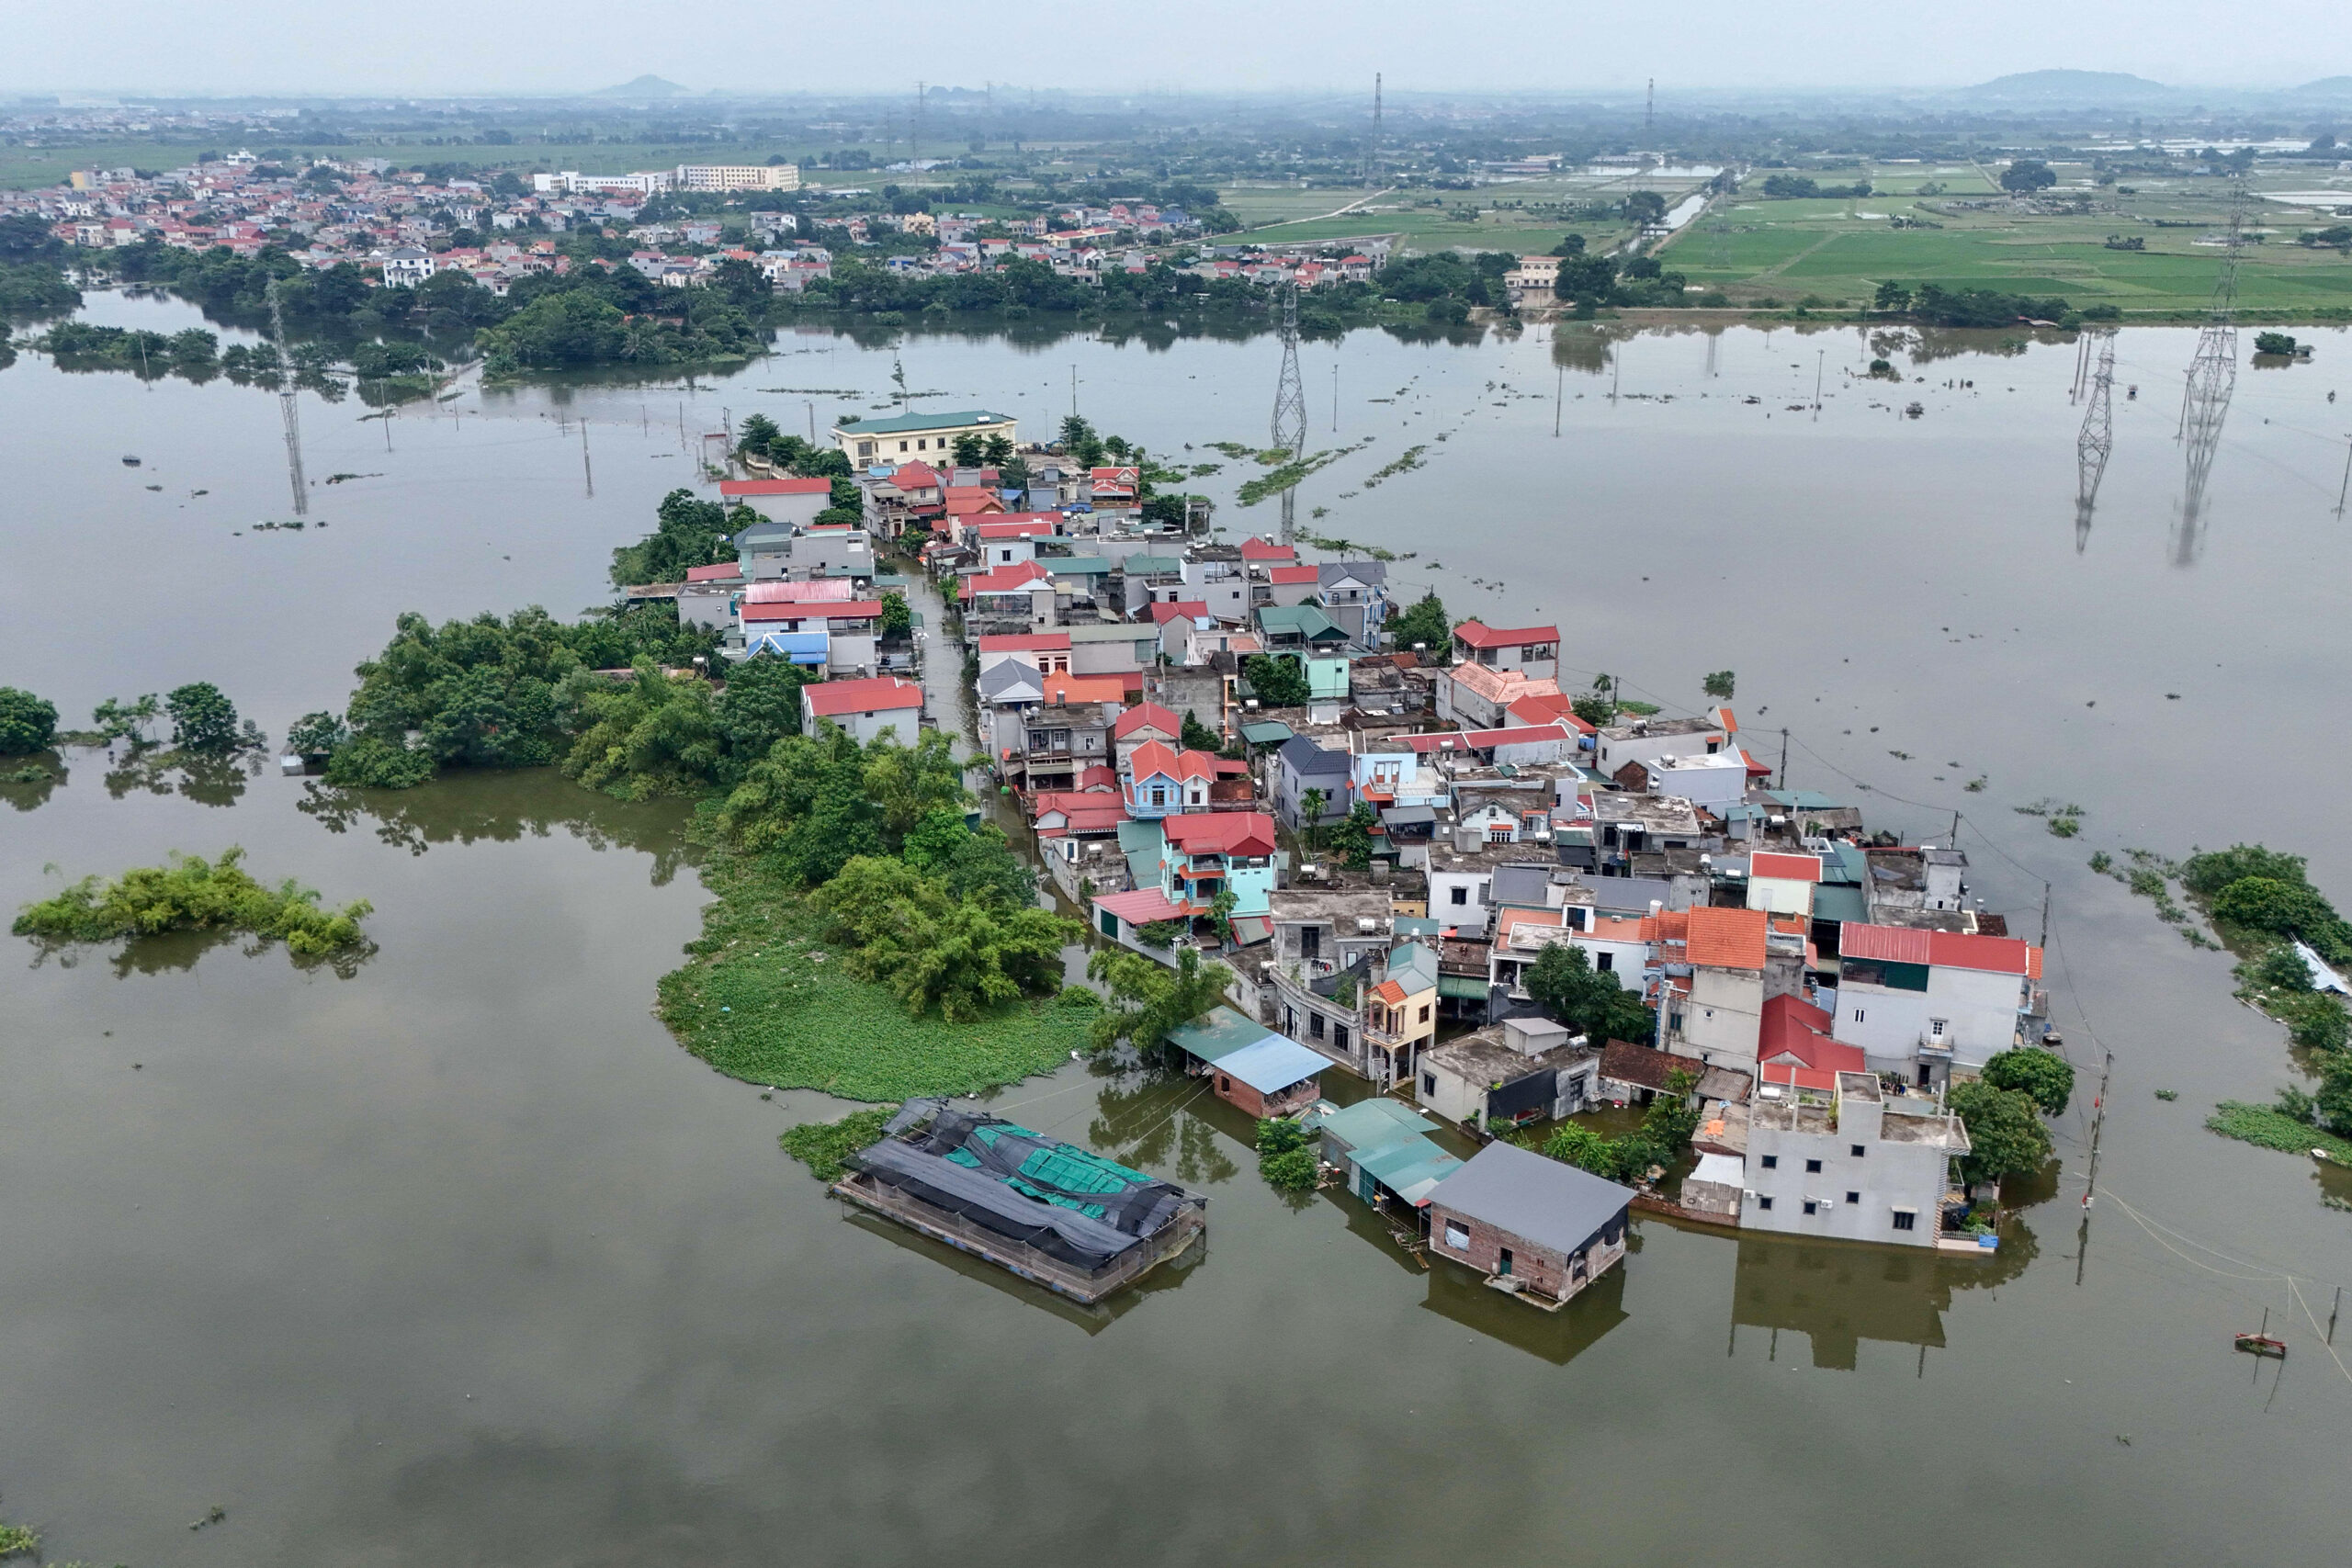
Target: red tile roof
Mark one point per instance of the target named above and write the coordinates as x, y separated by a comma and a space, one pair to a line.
1026, 527
1478, 634
1145, 715
774, 487
1787, 868
1027, 642
1482, 740
1726, 939
716, 573
1153, 759
1011, 578
914, 476
1142, 906
1181, 610
1798, 1030
1294, 574
815, 591
1267, 549
883, 693
1901, 945
1221, 832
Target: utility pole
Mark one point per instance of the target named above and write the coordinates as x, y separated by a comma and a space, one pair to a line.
1820, 364
285, 409
2099, 1119
1559, 397
1073, 391
1335, 396
1955, 830
1649, 109
1616, 371
586, 470
1784, 758
2346, 488
2045, 916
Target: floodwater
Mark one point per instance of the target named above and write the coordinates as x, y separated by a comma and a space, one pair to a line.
460, 1259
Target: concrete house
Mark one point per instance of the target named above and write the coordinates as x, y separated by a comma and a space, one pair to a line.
1262, 1072
863, 708
1531, 650
1156, 780
1522, 1070
1652, 740
1299, 765
1476, 696
1783, 883
1384, 1149
1512, 1214
1718, 1020
1355, 596
792, 500
1924, 1002
1852, 1162
928, 436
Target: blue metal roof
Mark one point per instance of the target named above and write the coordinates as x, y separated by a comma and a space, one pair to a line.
1272, 1065
800, 647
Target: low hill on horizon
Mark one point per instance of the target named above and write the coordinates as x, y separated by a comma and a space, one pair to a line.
2098, 87
643, 87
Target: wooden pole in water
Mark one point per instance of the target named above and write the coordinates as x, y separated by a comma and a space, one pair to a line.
1559, 397
1785, 758
586, 470
2346, 488
2332, 1312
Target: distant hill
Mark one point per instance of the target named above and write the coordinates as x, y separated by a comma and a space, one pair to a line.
2326, 87
2060, 87
643, 87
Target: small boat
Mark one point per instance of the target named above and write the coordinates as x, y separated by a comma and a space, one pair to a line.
128, 461
2260, 1343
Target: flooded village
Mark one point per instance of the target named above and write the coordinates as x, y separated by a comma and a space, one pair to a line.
1443, 893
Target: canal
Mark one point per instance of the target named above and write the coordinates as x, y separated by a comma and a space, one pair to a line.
462, 1259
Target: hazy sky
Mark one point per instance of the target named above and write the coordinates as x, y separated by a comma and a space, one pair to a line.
557, 46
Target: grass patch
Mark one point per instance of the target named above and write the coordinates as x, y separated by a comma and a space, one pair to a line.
2267, 1127
823, 1146
762, 998
18, 1539
1405, 464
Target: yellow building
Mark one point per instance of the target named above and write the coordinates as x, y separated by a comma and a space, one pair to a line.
738, 176
918, 438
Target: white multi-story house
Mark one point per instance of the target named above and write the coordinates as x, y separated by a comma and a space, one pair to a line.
1855, 1163
1923, 1002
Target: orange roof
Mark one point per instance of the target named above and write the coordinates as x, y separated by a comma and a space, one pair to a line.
1389, 991
1726, 939
1786, 868
1066, 688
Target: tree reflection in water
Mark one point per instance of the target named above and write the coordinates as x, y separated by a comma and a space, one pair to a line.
505, 807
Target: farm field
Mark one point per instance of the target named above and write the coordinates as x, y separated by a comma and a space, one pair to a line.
1836, 252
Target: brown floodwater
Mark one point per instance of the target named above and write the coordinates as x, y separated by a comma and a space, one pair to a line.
461, 1259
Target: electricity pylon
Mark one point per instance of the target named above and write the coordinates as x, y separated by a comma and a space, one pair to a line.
286, 412
1289, 427
2213, 378
2096, 440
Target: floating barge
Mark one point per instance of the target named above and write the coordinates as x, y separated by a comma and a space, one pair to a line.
1057, 1216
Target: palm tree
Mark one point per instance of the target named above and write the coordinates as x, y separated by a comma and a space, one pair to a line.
1310, 810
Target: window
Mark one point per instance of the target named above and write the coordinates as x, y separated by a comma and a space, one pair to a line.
1429, 1083
1457, 1235
1905, 1219
1338, 1037
1762, 1201
1503, 1261
1858, 1150
1936, 1027
1771, 1162
1159, 795
1458, 895
1852, 1198
902, 446
1223, 1084
1314, 1026
1810, 1207
1607, 963
1425, 1012
1858, 1015
1812, 1167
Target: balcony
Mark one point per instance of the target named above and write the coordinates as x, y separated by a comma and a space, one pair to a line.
1935, 1048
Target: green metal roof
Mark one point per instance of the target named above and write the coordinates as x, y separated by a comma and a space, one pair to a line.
1075, 566
1220, 1034
1266, 732
1834, 902
1144, 565
1299, 620
1371, 1124
906, 423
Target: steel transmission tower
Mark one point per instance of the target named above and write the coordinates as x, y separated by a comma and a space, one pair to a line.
2213, 378
1289, 428
2097, 439
286, 412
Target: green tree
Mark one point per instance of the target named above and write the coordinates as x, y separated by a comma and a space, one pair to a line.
2026, 175
758, 436
1311, 802
759, 707
996, 452
803, 807
961, 957
118, 720
1285, 1158
1563, 983
1892, 298
1149, 999
1075, 433
28, 723
2042, 1074
1424, 622
2005, 1132
555, 330
202, 719
908, 783
1277, 679
1351, 840
316, 735
898, 622
2285, 908
688, 532
970, 450
1719, 685
1644, 206
1194, 736
651, 735
2207, 874
1585, 278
